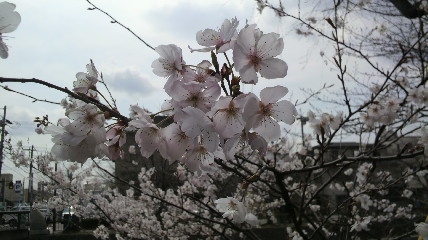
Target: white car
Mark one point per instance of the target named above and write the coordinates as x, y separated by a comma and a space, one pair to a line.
67, 213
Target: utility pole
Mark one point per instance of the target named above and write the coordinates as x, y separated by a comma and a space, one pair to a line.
303, 121
3, 126
54, 210
31, 178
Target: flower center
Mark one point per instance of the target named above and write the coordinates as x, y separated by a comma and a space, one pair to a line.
255, 60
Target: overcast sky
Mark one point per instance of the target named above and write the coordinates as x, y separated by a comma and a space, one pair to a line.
56, 39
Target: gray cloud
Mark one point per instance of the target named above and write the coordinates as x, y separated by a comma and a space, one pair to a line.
130, 82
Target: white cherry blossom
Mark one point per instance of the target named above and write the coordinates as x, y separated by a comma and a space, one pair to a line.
177, 142
170, 63
227, 115
231, 208
86, 81
221, 40
263, 115
254, 52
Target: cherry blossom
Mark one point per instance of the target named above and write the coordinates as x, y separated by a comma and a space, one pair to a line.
194, 94
117, 138
231, 208
221, 40
86, 81
254, 52
262, 115
177, 142
202, 74
9, 22
196, 123
227, 115
86, 119
169, 65
149, 138
74, 148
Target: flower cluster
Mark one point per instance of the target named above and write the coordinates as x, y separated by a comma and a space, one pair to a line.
199, 126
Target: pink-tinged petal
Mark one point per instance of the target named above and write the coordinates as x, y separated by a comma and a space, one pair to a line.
222, 103
268, 128
248, 75
211, 140
75, 114
162, 68
250, 109
71, 139
112, 141
177, 143
122, 139
112, 133
226, 46
207, 38
178, 91
273, 68
269, 46
228, 29
194, 121
246, 39
228, 125
272, 94
114, 152
192, 161
233, 145
284, 111
78, 128
148, 139
240, 59
257, 143
169, 51
219, 154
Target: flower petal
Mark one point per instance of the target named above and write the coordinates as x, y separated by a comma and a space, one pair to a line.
284, 111
270, 45
268, 128
272, 94
273, 68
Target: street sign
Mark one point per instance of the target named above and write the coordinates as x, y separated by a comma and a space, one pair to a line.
18, 186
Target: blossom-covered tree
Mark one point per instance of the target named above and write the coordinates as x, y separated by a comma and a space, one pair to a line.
234, 171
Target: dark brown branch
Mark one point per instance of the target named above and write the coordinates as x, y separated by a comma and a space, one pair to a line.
407, 9
82, 97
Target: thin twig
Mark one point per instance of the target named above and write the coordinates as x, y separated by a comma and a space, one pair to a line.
113, 20
23, 94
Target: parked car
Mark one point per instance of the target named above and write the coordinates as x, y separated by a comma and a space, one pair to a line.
67, 213
12, 219
21, 208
